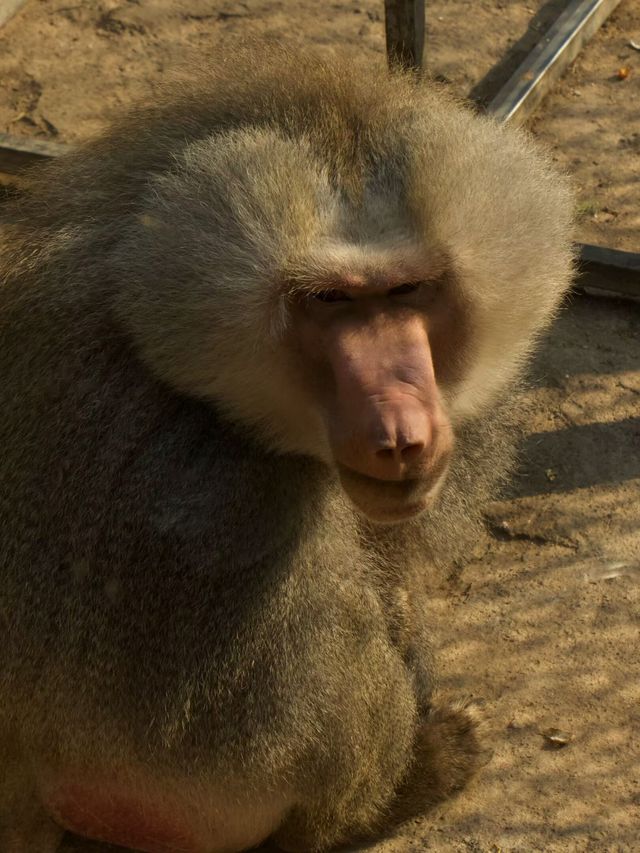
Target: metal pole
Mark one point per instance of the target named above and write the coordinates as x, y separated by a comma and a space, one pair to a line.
404, 26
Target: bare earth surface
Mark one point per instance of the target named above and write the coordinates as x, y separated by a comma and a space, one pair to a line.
543, 622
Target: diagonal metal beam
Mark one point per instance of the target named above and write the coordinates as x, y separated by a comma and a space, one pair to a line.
600, 268
548, 60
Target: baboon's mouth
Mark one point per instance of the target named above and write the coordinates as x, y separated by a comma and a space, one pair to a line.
387, 501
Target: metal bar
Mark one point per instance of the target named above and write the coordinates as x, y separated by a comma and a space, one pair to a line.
609, 270
17, 154
404, 22
9, 8
531, 81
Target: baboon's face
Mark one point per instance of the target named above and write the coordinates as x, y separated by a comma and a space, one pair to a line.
354, 306
376, 342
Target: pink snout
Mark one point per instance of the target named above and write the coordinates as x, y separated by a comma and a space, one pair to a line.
387, 440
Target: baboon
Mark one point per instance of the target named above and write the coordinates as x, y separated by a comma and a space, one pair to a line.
258, 344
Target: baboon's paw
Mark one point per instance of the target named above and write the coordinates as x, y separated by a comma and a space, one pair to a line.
450, 744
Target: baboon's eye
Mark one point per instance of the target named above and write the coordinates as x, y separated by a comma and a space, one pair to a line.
402, 289
331, 296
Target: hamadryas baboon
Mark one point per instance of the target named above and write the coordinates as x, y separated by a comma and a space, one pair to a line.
257, 347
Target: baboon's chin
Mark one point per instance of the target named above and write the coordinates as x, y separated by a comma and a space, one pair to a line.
391, 513
387, 502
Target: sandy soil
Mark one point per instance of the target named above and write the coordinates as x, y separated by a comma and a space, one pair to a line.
543, 622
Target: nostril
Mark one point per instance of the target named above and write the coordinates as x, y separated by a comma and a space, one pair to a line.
411, 452
387, 453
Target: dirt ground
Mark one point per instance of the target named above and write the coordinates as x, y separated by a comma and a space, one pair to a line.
543, 622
